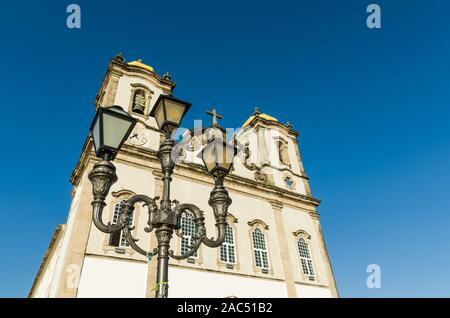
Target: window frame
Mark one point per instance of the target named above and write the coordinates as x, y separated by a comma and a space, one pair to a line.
148, 99
306, 261
312, 274
116, 198
133, 97
226, 246
264, 228
122, 241
258, 250
188, 236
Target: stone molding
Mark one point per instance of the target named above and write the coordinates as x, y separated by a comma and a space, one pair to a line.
258, 222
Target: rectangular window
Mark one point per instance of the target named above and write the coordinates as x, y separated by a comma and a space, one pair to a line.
305, 258
118, 239
227, 248
188, 230
259, 249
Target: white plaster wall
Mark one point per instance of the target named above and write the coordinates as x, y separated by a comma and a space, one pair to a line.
42, 289
294, 220
149, 139
202, 284
59, 271
106, 278
304, 291
279, 177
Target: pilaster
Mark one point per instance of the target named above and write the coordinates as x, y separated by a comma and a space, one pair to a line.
277, 207
112, 88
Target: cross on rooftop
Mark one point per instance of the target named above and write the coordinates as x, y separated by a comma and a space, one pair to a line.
215, 115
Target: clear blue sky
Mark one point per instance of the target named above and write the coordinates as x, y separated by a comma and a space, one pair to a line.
372, 107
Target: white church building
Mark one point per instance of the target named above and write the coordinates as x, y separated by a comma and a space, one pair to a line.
274, 245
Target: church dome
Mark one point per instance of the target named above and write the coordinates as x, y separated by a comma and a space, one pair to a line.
138, 63
257, 113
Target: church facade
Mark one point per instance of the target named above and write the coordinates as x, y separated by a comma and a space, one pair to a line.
274, 245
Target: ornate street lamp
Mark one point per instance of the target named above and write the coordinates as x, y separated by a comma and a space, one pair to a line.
168, 112
109, 130
109, 135
217, 157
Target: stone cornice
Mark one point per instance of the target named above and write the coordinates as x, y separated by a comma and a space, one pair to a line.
198, 172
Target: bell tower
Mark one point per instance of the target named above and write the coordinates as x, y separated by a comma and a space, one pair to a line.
135, 86
271, 153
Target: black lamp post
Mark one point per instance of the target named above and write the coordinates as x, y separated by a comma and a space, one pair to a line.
109, 130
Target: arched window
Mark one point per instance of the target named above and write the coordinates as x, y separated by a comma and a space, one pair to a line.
259, 249
305, 258
283, 154
117, 239
188, 231
227, 248
139, 101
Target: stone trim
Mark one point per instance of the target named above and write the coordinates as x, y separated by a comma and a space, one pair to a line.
301, 233
232, 218
255, 222
119, 193
276, 205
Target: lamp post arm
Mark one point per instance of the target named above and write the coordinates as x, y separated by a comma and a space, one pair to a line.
125, 217
97, 219
200, 234
189, 253
132, 240
128, 206
219, 200
102, 177
220, 237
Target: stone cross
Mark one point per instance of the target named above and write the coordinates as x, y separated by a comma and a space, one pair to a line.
214, 114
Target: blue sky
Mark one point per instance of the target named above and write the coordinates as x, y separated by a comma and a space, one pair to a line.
372, 108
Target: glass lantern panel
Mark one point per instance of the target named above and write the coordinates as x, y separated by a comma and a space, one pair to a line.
96, 134
209, 157
114, 130
159, 114
174, 111
226, 156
